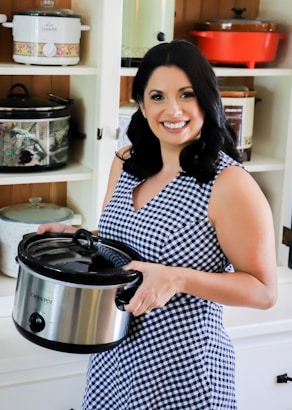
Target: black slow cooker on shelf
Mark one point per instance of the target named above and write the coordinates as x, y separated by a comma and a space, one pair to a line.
34, 133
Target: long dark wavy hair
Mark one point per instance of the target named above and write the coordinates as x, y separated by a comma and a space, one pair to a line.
198, 158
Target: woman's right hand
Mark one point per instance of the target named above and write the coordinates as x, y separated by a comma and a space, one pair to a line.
56, 227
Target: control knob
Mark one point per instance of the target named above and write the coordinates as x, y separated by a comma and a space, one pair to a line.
36, 322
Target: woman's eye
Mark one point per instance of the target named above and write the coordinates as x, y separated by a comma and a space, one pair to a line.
156, 97
187, 95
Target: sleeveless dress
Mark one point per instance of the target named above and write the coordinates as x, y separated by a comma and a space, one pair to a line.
178, 356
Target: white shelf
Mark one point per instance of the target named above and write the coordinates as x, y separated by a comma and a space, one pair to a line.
262, 163
230, 72
71, 172
25, 69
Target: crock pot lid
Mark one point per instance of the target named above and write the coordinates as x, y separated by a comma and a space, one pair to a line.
238, 23
59, 257
35, 212
21, 101
47, 9
236, 91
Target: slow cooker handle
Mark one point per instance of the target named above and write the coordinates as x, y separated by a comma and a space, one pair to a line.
124, 295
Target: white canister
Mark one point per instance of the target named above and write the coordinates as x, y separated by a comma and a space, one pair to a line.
239, 110
46, 36
145, 24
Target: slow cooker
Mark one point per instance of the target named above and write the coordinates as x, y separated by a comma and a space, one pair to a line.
34, 133
46, 35
239, 105
145, 24
71, 291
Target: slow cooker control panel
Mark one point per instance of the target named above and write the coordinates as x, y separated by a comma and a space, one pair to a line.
36, 322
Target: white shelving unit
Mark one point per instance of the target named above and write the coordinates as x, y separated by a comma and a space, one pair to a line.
94, 85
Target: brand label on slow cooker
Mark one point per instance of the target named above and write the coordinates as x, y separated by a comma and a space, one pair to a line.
234, 115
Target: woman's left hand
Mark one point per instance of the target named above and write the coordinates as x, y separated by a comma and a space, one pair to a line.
157, 288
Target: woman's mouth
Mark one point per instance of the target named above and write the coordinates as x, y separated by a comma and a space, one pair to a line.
174, 125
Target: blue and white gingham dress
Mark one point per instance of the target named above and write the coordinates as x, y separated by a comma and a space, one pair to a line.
178, 356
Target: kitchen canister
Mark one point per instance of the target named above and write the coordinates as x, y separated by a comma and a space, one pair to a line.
145, 24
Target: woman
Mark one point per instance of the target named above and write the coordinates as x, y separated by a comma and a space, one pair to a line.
180, 198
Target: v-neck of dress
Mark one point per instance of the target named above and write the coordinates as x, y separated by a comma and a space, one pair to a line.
152, 198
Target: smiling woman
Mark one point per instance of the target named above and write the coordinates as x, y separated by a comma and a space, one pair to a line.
180, 198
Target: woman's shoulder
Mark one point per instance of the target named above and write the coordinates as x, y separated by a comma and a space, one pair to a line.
224, 160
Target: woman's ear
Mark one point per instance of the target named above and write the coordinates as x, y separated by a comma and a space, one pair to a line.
142, 110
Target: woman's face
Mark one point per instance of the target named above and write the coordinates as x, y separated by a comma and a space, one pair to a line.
171, 108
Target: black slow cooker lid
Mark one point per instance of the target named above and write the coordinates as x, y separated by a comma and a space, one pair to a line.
21, 105
79, 258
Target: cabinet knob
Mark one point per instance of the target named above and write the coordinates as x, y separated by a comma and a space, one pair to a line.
99, 132
284, 378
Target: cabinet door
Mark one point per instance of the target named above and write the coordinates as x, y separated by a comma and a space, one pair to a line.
257, 369
57, 394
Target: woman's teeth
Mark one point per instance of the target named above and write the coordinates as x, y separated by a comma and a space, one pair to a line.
175, 125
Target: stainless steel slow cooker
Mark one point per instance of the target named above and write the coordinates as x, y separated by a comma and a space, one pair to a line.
71, 291
34, 133
46, 35
23, 218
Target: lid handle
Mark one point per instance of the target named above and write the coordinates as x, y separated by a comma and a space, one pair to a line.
24, 94
35, 201
238, 11
82, 234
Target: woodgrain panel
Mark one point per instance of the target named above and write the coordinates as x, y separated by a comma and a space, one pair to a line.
15, 194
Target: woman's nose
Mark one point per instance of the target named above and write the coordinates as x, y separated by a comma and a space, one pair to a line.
173, 108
